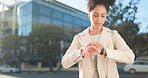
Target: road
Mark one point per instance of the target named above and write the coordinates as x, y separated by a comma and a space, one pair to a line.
68, 74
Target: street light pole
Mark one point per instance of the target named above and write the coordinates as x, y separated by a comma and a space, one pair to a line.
14, 17
2, 19
61, 54
1, 32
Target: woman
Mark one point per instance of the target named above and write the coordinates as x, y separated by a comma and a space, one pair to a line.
97, 49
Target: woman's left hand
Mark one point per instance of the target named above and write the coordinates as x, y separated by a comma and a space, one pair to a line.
94, 48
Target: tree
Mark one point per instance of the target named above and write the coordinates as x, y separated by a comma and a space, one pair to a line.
45, 41
121, 13
141, 46
122, 18
11, 49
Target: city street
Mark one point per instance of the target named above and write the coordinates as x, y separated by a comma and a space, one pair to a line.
64, 74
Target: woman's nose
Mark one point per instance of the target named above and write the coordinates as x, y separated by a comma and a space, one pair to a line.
99, 18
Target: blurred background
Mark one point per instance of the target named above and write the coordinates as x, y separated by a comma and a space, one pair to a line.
34, 35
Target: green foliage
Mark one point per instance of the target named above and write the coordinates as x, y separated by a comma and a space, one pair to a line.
122, 13
11, 50
122, 18
140, 43
45, 41
10, 45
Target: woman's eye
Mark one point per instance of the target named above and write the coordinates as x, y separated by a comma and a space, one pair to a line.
103, 15
95, 15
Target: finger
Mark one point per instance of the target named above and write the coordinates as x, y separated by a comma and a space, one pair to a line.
89, 44
96, 45
87, 54
100, 45
91, 48
96, 49
100, 48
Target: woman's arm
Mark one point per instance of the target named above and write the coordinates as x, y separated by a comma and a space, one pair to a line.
122, 52
73, 54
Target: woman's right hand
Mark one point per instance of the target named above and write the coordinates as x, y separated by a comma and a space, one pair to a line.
91, 49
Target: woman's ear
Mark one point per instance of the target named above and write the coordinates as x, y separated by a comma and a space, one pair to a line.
89, 15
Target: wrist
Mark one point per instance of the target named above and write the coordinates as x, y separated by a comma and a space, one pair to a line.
103, 52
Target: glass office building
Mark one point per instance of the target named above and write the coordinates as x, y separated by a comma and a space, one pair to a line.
37, 12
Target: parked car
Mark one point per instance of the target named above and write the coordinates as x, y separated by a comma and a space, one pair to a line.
137, 66
120, 66
8, 68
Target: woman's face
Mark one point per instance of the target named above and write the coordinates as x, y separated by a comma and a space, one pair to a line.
98, 16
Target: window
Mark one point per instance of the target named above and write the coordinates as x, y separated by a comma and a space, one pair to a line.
28, 18
77, 21
57, 14
67, 24
56, 22
85, 23
67, 18
44, 20
145, 63
44, 10
141, 63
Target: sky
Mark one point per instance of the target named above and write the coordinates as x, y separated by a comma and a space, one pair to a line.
142, 15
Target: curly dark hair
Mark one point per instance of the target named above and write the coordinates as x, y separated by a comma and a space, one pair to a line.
92, 4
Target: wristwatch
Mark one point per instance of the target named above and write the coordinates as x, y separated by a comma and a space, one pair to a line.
102, 51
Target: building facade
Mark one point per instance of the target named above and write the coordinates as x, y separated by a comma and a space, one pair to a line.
5, 16
41, 12
37, 12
